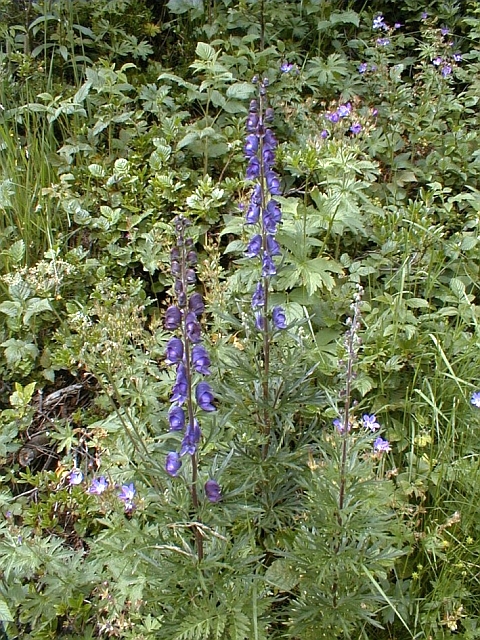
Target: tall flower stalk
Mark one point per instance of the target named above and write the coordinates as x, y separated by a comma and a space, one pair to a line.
191, 360
264, 215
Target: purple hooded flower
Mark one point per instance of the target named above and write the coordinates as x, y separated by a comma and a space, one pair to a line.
253, 168
278, 317
173, 318
176, 418
180, 388
174, 351
252, 122
273, 183
258, 298
191, 439
98, 486
273, 247
251, 145
254, 246
253, 213
193, 327
196, 304
269, 140
260, 321
200, 360
213, 491
173, 463
272, 216
204, 396
268, 266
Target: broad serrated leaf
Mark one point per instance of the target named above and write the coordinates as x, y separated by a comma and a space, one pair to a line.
34, 307
11, 309
5, 614
17, 251
96, 170
205, 52
458, 287
343, 17
240, 90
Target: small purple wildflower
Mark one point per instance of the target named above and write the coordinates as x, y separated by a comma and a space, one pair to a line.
370, 422
446, 70
344, 110
380, 445
191, 439
397, 25
126, 495
457, 56
75, 477
475, 399
437, 61
444, 31
339, 426
324, 134
98, 486
286, 67
383, 42
213, 491
362, 67
356, 128
379, 22
424, 15
333, 117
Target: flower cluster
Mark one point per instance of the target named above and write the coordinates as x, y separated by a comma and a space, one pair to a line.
186, 353
263, 211
369, 423
99, 485
344, 114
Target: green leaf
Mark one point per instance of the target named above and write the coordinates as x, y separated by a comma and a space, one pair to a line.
240, 90
34, 307
96, 170
351, 17
282, 575
205, 52
17, 251
5, 614
182, 6
11, 309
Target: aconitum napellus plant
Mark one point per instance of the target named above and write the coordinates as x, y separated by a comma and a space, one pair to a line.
191, 394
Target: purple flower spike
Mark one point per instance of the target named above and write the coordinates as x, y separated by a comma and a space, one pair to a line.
475, 399
370, 422
179, 391
173, 463
380, 445
200, 360
279, 319
204, 396
213, 491
174, 351
258, 298
75, 477
98, 486
176, 418
173, 318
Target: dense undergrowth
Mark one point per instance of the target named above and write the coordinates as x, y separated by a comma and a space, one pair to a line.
239, 306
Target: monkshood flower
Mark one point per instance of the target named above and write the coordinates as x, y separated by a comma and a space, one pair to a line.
184, 350
370, 422
213, 491
98, 486
263, 210
381, 446
474, 400
75, 477
173, 463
